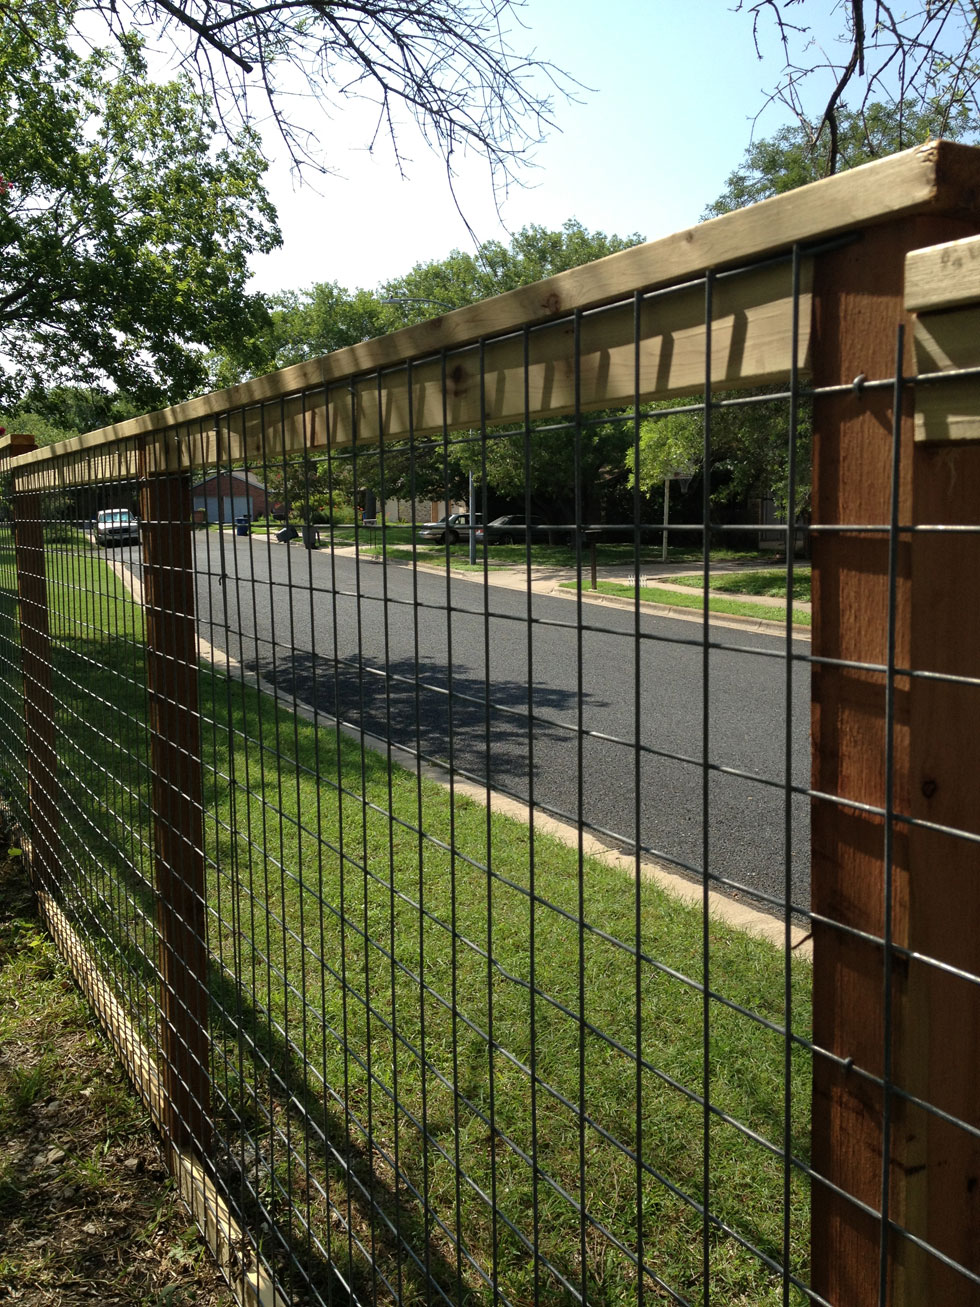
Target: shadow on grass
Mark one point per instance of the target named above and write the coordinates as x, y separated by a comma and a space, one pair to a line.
306, 1159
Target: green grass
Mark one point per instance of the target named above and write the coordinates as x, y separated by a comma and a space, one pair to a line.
440, 914
436, 554
66, 533
771, 583
368, 932
736, 607
564, 555
77, 1152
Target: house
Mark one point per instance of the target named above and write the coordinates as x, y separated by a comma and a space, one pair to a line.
227, 495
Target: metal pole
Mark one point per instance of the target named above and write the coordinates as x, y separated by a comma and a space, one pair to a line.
663, 554
472, 524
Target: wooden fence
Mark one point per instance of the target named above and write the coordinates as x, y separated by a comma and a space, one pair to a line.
860, 294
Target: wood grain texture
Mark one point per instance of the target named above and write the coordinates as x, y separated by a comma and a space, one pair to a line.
944, 885
939, 177
40, 707
942, 287
946, 341
501, 382
943, 276
177, 793
859, 302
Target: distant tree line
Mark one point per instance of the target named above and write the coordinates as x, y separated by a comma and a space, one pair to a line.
749, 444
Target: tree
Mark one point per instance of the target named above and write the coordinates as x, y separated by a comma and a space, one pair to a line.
547, 468
749, 450
125, 233
749, 444
69, 409
672, 442
800, 153
922, 58
447, 65
305, 324
533, 253
301, 324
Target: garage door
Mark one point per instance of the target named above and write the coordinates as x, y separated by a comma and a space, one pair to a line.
231, 506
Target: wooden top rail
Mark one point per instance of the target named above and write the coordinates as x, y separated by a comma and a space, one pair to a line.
369, 391
942, 287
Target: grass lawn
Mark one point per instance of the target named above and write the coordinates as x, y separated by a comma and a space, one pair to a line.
444, 1046
542, 555
66, 533
738, 607
770, 582
87, 1210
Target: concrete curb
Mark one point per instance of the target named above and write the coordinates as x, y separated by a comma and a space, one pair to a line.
727, 910
551, 586
766, 625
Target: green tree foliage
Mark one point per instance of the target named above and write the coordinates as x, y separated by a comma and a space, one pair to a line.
544, 466
446, 67
125, 233
918, 60
750, 444
749, 449
68, 411
671, 441
28, 421
302, 324
305, 324
303, 490
800, 153
533, 253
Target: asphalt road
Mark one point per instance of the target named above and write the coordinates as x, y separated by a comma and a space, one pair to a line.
539, 708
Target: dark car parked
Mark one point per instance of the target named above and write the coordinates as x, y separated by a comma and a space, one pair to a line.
449, 530
512, 529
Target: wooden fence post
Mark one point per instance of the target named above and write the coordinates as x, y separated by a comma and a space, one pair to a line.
36, 669
175, 746
935, 891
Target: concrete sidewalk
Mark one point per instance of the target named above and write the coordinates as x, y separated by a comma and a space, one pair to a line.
552, 580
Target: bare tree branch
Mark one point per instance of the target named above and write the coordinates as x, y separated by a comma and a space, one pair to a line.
856, 62
206, 34
449, 66
924, 55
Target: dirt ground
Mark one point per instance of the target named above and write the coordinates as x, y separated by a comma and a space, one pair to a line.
87, 1211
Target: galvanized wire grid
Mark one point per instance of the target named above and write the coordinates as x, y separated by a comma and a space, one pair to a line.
464, 1046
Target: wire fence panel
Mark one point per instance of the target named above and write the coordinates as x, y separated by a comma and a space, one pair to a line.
484, 927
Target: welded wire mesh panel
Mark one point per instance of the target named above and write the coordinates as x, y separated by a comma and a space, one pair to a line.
76, 765
895, 698
424, 759
13, 759
477, 1031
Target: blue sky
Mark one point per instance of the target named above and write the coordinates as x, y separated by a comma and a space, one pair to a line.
677, 87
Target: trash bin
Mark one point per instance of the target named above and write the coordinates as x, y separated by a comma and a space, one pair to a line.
286, 534
242, 525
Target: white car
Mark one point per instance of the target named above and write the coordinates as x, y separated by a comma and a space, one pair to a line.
116, 526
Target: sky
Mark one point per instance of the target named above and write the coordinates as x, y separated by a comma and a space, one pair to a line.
676, 91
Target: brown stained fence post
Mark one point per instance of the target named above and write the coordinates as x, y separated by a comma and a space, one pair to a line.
168, 596
858, 304
35, 639
944, 890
